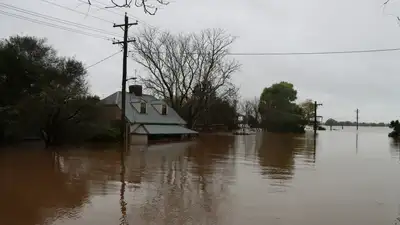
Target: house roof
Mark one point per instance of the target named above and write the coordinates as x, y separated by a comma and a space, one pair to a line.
152, 116
162, 129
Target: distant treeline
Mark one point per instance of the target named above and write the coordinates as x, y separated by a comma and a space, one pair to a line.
332, 122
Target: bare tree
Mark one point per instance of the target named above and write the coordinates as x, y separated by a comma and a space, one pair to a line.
386, 3
187, 70
245, 108
148, 7
249, 108
254, 106
308, 109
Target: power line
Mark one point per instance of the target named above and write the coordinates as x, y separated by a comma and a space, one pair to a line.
100, 61
106, 38
54, 25
125, 27
300, 53
313, 53
76, 11
58, 20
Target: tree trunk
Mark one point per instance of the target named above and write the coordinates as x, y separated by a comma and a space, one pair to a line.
45, 137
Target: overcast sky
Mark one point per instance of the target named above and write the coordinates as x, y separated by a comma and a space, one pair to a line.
342, 83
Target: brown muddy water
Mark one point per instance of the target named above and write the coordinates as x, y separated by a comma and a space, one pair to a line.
339, 178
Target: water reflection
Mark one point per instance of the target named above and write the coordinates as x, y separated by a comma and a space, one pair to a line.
278, 152
260, 179
191, 183
357, 143
35, 190
276, 156
123, 219
308, 151
395, 148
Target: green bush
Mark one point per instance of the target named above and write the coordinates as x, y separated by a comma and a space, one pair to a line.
108, 135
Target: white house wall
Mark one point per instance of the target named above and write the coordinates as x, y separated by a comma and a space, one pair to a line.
138, 139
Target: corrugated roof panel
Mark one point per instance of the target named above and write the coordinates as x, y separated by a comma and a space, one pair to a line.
134, 127
112, 99
152, 116
168, 129
140, 130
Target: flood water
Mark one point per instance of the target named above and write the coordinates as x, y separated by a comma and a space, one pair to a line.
338, 178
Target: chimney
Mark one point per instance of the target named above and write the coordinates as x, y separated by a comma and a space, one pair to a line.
136, 90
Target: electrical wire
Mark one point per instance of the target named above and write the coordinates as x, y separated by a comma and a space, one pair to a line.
76, 11
58, 20
54, 25
313, 53
107, 38
302, 53
102, 60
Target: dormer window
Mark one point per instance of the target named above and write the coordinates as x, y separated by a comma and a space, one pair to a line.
164, 110
143, 108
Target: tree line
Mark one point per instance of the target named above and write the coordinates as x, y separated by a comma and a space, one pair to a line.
193, 73
332, 122
46, 95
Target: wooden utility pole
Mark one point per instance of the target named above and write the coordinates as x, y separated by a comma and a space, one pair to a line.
125, 28
315, 117
357, 111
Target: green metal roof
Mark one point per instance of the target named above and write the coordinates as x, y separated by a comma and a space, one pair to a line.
162, 129
152, 116
167, 129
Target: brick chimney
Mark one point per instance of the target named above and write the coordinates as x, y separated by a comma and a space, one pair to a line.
137, 90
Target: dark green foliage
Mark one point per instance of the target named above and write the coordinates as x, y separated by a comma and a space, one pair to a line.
278, 111
331, 122
252, 121
42, 94
308, 108
395, 125
205, 107
107, 135
251, 116
109, 132
219, 112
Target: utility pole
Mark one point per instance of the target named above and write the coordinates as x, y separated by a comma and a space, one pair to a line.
357, 111
125, 28
315, 116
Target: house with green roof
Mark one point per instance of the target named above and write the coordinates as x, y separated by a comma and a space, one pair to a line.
149, 118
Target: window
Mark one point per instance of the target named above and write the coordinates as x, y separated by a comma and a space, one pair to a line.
143, 108
164, 110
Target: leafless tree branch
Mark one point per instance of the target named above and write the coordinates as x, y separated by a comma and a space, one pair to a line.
249, 107
187, 69
148, 7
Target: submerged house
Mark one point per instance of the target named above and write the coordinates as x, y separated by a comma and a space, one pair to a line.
149, 118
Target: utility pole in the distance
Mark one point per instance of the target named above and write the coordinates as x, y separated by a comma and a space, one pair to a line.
124, 43
357, 111
315, 117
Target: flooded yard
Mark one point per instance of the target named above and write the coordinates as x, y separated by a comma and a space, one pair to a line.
338, 178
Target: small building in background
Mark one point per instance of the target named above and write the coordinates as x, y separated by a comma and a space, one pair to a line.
149, 118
